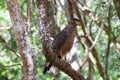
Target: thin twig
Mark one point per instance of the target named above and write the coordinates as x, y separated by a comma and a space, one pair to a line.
4, 28
108, 46
97, 37
107, 29
8, 47
94, 15
12, 65
95, 41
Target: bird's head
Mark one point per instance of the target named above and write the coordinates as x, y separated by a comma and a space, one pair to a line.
76, 21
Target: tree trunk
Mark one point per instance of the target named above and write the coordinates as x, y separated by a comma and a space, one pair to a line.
46, 40
21, 30
117, 5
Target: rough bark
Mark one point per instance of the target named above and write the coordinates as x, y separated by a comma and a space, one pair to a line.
45, 38
52, 18
117, 5
21, 30
29, 13
54, 30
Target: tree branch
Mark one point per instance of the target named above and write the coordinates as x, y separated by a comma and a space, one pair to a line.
92, 46
29, 12
46, 40
74, 4
21, 30
12, 65
117, 5
8, 47
98, 21
88, 41
4, 28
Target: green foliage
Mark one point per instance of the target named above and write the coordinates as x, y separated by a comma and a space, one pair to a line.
8, 60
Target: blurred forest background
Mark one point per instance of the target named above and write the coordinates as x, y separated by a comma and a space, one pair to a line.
100, 21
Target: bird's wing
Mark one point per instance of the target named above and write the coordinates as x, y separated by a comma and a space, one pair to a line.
59, 40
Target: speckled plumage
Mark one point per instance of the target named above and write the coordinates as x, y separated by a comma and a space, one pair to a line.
63, 42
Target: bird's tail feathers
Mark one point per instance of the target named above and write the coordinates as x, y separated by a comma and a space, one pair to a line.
47, 67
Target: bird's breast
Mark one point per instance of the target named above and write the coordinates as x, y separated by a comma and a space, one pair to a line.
66, 47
